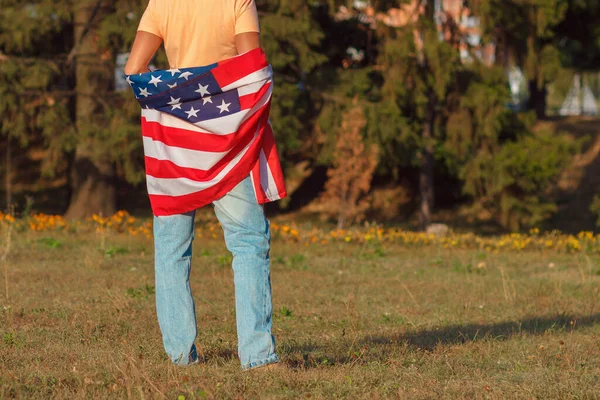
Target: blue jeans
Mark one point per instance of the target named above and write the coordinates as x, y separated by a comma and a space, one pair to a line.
247, 236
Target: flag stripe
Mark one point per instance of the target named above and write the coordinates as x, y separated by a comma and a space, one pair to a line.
249, 100
165, 169
184, 186
170, 205
236, 68
245, 83
272, 156
267, 182
186, 139
254, 86
197, 159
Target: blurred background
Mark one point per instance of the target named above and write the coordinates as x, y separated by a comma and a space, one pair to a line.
480, 114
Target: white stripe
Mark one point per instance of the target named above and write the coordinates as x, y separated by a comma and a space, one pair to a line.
267, 182
261, 75
203, 160
184, 186
252, 88
218, 126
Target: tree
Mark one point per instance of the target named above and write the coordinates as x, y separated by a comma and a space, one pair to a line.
578, 35
419, 82
525, 28
291, 38
93, 172
34, 36
108, 141
352, 171
508, 168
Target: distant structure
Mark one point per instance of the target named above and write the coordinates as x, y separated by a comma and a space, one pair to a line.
455, 23
579, 101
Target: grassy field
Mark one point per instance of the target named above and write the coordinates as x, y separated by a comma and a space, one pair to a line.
351, 320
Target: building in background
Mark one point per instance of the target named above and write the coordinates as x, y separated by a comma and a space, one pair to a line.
456, 24
580, 100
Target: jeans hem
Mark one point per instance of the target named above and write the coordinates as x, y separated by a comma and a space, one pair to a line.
261, 363
192, 359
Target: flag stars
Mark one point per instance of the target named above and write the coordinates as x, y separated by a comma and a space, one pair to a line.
175, 103
186, 75
128, 79
202, 90
174, 71
207, 99
172, 86
155, 80
224, 107
144, 92
192, 113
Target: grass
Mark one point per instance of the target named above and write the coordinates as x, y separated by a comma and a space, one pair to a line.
351, 321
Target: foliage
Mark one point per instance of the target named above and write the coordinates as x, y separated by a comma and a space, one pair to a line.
291, 38
352, 171
506, 168
526, 31
398, 122
31, 72
515, 181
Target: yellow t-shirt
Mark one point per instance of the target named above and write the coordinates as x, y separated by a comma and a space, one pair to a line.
199, 32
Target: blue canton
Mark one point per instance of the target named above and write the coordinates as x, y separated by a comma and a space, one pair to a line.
190, 94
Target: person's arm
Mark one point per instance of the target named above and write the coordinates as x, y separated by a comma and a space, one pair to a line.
246, 26
247, 41
144, 47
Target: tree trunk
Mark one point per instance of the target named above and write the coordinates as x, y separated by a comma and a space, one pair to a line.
93, 173
8, 176
537, 99
427, 162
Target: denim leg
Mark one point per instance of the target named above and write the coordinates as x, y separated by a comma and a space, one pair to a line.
173, 236
247, 236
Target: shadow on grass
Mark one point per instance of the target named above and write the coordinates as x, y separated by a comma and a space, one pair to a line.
458, 334
311, 354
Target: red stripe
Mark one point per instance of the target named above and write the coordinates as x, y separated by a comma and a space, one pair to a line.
236, 68
168, 170
185, 139
192, 140
248, 101
261, 197
171, 205
273, 160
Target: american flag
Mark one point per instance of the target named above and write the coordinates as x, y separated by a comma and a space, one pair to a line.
206, 129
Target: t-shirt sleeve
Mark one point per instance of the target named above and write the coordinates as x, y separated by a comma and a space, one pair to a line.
246, 17
149, 22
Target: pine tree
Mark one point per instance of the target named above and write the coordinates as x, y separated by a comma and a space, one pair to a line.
34, 40
93, 173
526, 30
352, 171
291, 38
419, 84
57, 62
108, 141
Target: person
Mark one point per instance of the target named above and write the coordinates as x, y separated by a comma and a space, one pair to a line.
200, 33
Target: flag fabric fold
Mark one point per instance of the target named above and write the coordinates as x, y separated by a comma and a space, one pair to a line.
206, 129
